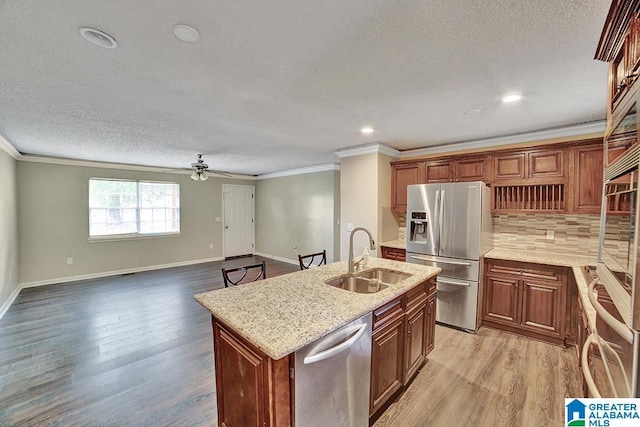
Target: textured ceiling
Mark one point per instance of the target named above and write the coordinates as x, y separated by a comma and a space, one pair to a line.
284, 84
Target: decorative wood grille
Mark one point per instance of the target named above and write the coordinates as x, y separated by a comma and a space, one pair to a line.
535, 198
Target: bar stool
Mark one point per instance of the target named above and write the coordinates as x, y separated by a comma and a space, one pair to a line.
312, 260
235, 276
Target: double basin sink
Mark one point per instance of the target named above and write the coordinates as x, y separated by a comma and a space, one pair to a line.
368, 281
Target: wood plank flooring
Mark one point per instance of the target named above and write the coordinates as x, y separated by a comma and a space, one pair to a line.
136, 350
488, 379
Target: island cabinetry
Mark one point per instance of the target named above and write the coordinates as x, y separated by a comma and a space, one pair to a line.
252, 388
403, 336
525, 298
395, 254
404, 174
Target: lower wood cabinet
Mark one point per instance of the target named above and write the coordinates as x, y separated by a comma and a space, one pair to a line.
252, 389
403, 336
530, 299
395, 254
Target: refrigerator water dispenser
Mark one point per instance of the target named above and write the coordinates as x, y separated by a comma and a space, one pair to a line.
418, 227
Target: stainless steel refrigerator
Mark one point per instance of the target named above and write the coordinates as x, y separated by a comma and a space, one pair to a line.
450, 226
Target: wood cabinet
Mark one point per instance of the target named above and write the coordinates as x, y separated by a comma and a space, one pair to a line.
395, 254
403, 336
252, 389
439, 171
530, 299
586, 172
556, 178
471, 169
404, 174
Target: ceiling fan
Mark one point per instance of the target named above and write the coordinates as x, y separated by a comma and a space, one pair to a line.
201, 170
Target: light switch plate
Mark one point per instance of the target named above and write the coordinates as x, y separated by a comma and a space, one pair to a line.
350, 226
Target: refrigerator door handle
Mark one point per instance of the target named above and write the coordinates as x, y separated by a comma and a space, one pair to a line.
433, 259
441, 220
434, 223
448, 282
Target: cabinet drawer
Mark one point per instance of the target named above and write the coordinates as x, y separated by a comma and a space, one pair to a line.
417, 295
528, 270
387, 313
393, 253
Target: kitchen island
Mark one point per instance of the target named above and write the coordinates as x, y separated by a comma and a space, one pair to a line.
259, 326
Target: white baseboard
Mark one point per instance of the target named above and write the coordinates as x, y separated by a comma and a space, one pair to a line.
10, 300
115, 272
277, 258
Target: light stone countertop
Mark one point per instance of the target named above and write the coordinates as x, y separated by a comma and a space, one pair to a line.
576, 262
397, 244
540, 257
283, 314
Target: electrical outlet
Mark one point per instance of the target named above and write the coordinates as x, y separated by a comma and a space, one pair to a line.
211, 246
295, 247
218, 219
69, 261
550, 234
10, 274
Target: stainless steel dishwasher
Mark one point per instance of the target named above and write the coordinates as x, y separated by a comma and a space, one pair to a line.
332, 377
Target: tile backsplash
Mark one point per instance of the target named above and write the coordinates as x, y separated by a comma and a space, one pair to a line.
575, 234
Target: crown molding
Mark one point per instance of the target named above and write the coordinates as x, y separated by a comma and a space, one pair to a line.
9, 149
591, 129
368, 149
301, 171
121, 166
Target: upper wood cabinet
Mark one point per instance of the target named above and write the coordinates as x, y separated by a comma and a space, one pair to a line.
404, 174
529, 164
558, 178
586, 171
471, 169
509, 166
438, 172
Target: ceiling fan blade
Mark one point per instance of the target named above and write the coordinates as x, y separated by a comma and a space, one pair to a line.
216, 172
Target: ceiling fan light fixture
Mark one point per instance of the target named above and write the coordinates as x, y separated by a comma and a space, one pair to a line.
203, 176
194, 176
98, 38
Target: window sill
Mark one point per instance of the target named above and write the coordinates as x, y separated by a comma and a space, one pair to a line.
131, 237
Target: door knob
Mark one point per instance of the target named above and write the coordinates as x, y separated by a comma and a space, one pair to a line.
226, 226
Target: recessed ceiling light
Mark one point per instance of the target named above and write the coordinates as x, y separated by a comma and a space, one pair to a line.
98, 38
508, 99
473, 112
367, 130
186, 33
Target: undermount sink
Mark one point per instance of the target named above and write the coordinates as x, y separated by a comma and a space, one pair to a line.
368, 281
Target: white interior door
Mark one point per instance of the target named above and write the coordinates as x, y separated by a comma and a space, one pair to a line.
238, 219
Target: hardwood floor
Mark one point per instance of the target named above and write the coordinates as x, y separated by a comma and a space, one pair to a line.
125, 350
136, 350
489, 379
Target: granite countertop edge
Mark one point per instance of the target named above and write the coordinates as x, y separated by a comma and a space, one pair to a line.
283, 314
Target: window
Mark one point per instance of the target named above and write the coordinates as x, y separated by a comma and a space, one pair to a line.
119, 208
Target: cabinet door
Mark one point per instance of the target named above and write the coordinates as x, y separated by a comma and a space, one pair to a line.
438, 172
416, 339
472, 169
402, 175
509, 166
387, 348
587, 179
501, 300
542, 307
431, 323
240, 385
546, 163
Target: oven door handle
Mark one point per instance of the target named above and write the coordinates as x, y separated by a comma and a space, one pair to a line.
588, 378
621, 328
